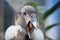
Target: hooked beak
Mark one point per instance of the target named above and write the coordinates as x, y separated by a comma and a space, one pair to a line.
32, 24
31, 27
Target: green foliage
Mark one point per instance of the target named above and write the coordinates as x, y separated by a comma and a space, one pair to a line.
50, 11
46, 14
49, 27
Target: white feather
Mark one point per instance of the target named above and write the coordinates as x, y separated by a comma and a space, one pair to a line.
12, 31
37, 35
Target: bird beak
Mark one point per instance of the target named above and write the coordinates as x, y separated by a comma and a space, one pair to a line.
34, 22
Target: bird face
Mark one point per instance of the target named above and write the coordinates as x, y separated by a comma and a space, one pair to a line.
28, 13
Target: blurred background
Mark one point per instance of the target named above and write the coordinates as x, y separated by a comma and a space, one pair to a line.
48, 15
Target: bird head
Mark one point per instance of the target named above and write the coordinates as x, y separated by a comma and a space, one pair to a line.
29, 13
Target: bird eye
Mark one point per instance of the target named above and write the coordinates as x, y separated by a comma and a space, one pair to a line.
24, 13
